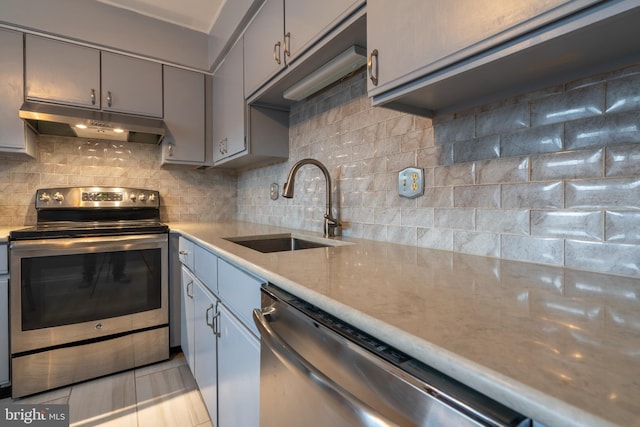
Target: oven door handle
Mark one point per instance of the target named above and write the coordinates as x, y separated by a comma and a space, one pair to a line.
346, 401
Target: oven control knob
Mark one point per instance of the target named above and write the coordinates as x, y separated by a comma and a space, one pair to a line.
58, 197
142, 197
132, 196
44, 197
152, 197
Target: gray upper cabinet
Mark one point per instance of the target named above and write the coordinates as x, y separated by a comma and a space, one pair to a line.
131, 85
443, 56
263, 46
62, 72
306, 21
229, 106
184, 117
76, 75
283, 31
15, 136
243, 134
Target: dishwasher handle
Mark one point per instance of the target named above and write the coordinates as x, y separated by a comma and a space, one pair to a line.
294, 361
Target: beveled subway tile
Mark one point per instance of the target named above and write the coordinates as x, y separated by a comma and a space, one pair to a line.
434, 238
437, 197
607, 130
484, 244
623, 160
567, 224
623, 94
402, 235
502, 171
622, 226
503, 119
503, 221
457, 218
531, 249
544, 195
485, 196
458, 129
603, 257
572, 164
603, 193
545, 139
575, 104
454, 174
417, 217
477, 149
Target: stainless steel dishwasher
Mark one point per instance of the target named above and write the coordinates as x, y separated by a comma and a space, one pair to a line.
316, 370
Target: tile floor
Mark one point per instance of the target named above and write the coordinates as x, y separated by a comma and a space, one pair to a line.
160, 395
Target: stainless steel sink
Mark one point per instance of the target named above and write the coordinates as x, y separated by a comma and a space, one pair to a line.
268, 243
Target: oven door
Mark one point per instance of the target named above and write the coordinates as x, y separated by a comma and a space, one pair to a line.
70, 290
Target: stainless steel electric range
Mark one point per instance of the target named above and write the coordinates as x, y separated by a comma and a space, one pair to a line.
88, 287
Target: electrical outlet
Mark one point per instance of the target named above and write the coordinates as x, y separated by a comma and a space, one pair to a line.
411, 183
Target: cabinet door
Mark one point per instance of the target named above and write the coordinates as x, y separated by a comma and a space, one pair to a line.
238, 373
131, 85
187, 283
184, 116
263, 46
308, 20
435, 34
15, 137
4, 331
62, 72
229, 106
206, 368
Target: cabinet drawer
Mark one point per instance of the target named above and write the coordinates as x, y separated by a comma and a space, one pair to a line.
240, 292
185, 252
206, 268
3, 258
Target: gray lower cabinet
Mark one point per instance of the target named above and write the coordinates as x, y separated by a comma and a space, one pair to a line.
4, 317
184, 117
242, 134
218, 338
15, 136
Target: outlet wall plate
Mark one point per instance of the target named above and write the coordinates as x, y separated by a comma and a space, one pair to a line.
273, 191
411, 183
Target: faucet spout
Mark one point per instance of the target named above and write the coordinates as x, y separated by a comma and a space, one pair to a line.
331, 225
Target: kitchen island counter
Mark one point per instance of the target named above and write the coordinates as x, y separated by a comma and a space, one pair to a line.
561, 346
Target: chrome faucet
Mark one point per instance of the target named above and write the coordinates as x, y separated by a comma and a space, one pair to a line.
331, 226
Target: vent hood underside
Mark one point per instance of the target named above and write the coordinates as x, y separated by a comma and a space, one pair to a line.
58, 120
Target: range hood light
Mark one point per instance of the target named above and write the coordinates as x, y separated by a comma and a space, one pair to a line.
81, 126
348, 61
118, 130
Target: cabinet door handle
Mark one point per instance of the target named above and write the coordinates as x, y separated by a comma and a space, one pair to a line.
93, 97
109, 98
287, 44
372, 77
276, 53
222, 146
170, 149
216, 322
190, 295
206, 319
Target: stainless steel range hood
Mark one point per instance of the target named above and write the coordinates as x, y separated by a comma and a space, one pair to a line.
58, 120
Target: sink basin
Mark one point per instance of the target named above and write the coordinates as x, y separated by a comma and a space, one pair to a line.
268, 243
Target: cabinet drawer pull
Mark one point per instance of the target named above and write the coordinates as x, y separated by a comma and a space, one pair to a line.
276, 53
372, 77
183, 252
93, 97
287, 44
109, 98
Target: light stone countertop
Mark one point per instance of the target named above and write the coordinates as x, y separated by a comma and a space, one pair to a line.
560, 346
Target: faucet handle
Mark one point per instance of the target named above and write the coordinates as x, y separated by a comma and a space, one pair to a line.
332, 227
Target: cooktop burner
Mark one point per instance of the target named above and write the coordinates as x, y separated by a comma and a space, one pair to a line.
93, 211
